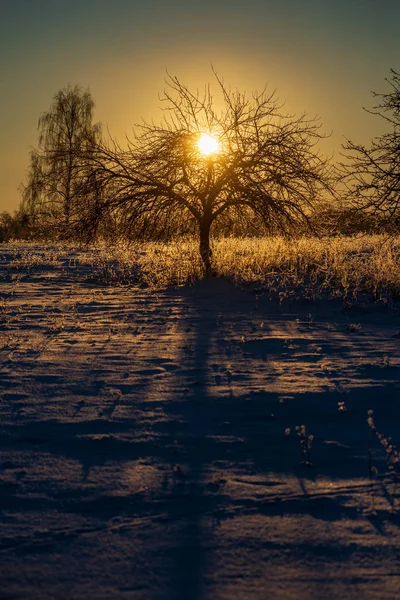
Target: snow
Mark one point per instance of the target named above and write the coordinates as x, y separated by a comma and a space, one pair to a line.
145, 451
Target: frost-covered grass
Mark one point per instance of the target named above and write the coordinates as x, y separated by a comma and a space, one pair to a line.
206, 441
340, 266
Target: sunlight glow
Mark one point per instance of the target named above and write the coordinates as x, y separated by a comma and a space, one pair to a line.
207, 144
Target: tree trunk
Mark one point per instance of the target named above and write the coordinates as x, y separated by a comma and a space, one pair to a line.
205, 250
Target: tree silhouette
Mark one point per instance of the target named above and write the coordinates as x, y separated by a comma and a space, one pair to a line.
372, 174
58, 188
267, 166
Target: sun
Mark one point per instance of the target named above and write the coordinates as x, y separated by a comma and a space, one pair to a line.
207, 144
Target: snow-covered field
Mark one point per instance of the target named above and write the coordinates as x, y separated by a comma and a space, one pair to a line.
149, 446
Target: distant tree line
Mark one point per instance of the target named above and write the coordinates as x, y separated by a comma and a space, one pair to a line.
268, 175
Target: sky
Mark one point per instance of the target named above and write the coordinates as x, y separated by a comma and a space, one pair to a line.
321, 56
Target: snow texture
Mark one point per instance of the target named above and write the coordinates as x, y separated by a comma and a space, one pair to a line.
145, 444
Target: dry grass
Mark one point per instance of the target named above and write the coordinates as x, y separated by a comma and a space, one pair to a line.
345, 267
341, 266
157, 265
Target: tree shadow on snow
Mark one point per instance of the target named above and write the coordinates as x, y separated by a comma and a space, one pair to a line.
211, 447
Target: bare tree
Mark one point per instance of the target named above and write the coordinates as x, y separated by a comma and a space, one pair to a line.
60, 169
372, 174
260, 163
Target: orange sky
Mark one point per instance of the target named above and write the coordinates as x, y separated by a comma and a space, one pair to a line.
323, 57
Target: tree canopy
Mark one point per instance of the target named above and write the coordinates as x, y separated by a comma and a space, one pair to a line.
60, 180
372, 174
267, 165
